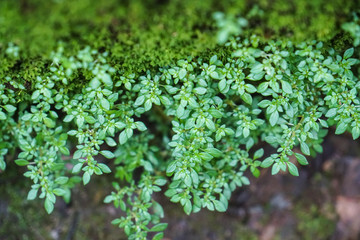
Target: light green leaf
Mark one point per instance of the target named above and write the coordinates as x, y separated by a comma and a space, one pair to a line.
304, 148
32, 194
49, 206
86, 178
301, 159
107, 154
292, 169
10, 108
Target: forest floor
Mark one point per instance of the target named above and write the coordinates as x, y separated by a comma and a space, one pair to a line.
322, 203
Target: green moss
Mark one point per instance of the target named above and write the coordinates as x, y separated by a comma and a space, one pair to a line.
315, 223
141, 34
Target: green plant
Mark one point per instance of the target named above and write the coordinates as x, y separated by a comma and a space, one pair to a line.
190, 128
354, 29
195, 125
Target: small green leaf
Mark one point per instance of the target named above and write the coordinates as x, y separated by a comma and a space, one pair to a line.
49, 206
61, 180
21, 162
182, 73
49, 122
304, 148
200, 90
159, 227
107, 154
32, 194
219, 206
259, 153
108, 199
341, 128
293, 169
104, 168
301, 159
331, 113
140, 126
105, 103
267, 162
139, 101
275, 169
59, 192
214, 152
188, 207
274, 117
222, 85
77, 168
158, 236
10, 108
123, 137
348, 53
355, 132
86, 178
286, 87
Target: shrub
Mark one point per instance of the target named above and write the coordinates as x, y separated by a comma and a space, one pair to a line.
191, 128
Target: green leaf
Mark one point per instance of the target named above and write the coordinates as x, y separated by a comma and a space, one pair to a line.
188, 207
61, 180
123, 137
214, 75
159, 227
86, 178
247, 98
21, 162
200, 90
64, 151
263, 87
341, 128
286, 87
275, 169
110, 141
182, 73
267, 162
293, 169
348, 53
301, 159
49, 206
77, 168
304, 148
108, 199
59, 192
2, 164
140, 126
104, 168
355, 132
259, 153
2, 115
10, 108
255, 172
105, 103
219, 206
49, 122
158, 236
331, 113
210, 124
222, 85
107, 154
214, 152
274, 117
139, 101
32, 194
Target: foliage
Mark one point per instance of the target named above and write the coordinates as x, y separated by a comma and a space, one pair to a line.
192, 127
354, 29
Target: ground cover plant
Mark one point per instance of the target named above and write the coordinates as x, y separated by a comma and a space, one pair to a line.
183, 106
